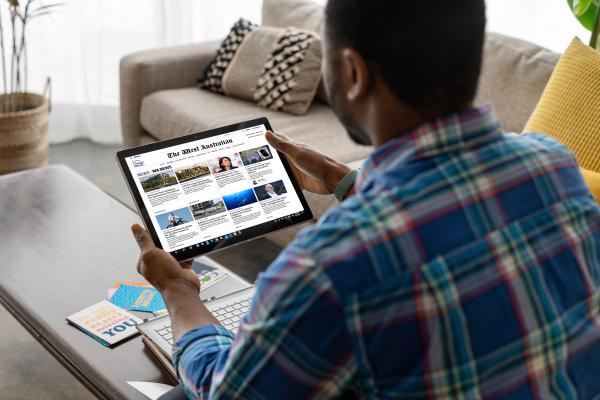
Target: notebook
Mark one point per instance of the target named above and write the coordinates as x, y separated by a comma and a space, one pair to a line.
106, 323
138, 298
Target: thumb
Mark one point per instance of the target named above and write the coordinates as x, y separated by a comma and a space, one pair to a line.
142, 238
281, 143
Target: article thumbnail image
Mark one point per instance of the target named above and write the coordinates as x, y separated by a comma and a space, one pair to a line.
192, 172
174, 218
270, 190
157, 181
257, 155
225, 163
240, 199
208, 208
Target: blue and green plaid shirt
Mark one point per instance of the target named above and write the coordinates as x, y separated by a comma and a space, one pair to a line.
467, 265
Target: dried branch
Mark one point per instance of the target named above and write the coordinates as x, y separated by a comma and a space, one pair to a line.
20, 14
3, 59
13, 61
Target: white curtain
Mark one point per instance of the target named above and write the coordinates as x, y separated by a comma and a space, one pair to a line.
549, 23
80, 45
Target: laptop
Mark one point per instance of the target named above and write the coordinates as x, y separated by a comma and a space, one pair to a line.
228, 310
228, 300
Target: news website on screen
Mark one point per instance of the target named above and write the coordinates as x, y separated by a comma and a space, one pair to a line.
214, 187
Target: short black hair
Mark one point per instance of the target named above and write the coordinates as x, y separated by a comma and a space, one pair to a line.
428, 52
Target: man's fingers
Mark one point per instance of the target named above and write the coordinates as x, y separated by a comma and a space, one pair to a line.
186, 264
138, 267
281, 143
142, 238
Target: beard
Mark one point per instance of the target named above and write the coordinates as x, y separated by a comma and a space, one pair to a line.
353, 129
358, 137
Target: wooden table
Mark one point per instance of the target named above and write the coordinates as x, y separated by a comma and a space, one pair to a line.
64, 242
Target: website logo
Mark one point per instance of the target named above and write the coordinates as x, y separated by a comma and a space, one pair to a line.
138, 163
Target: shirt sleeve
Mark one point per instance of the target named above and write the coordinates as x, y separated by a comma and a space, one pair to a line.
293, 343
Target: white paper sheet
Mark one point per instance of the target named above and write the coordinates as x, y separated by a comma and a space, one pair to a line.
152, 390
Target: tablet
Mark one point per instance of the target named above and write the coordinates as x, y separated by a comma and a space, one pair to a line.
204, 192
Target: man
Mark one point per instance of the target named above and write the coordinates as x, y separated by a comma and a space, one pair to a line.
270, 191
463, 264
174, 221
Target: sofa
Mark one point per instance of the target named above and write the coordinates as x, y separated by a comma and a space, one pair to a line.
160, 98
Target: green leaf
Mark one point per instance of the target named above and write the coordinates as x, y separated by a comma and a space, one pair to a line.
588, 17
580, 7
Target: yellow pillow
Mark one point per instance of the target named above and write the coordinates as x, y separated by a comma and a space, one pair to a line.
569, 110
593, 181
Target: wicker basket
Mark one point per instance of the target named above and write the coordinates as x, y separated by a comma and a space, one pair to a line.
23, 134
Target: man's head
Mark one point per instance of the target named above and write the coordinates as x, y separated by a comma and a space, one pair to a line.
414, 59
269, 188
171, 217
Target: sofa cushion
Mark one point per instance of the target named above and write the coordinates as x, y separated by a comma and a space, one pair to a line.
513, 78
569, 110
302, 14
172, 113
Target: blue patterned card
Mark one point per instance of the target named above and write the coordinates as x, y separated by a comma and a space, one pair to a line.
138, 298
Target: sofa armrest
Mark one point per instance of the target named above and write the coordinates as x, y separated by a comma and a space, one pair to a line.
150, 71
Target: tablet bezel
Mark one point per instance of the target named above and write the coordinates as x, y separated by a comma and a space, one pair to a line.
254, 232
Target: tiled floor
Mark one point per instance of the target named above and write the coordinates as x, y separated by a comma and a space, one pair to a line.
27, 371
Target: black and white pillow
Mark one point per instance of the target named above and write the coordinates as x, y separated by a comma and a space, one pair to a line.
279, 76
213, 75
277, 68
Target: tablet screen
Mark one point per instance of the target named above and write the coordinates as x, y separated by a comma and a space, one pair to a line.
215, 188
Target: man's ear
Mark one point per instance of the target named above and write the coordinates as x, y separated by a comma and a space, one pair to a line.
356, 74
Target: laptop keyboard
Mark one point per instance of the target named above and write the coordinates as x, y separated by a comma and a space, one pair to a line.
166, 333
229, 315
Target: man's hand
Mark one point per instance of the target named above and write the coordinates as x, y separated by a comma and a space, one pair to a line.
159, 267
178, 284
314, 171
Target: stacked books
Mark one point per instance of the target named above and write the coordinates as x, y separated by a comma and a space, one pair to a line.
109, 321
164, 359
106, 323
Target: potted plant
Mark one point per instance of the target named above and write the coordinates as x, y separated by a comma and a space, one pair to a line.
588, 13
23, 115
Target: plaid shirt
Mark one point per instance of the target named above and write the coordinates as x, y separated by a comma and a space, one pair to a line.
467, 265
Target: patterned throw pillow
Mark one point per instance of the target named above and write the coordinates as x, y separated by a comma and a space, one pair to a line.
279, 69
213, 75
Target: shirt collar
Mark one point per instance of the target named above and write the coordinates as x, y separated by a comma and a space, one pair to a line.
441, 135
